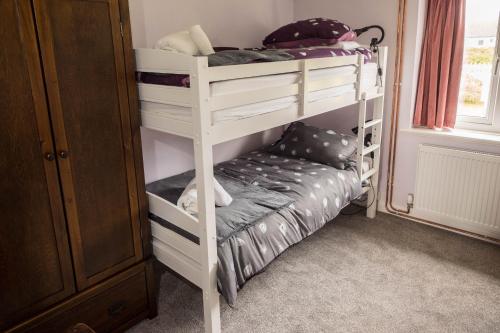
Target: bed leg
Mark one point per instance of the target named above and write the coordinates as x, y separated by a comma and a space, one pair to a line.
203, 159
211, 311
371, 211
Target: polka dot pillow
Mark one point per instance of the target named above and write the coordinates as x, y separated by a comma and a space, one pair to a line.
311, 32
315, 144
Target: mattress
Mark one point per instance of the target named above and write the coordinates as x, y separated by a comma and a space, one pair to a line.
182, 80
222, 88
319, 192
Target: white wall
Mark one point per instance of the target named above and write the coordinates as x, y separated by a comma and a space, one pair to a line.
358, 14
238, 23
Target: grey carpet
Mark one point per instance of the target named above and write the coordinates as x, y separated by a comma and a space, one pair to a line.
357, 275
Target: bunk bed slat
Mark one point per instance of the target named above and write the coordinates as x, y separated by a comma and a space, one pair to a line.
221, 73
229, 130
318, 63
254, 96
181, 244
332, 82
157, 121
164, 94
178, 262
159, 61
173, 214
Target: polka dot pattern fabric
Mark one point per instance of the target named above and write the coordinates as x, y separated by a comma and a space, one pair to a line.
320, 145
319, 192
311, 32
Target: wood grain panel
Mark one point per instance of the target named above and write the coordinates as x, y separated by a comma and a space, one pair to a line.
82, 52
35, 266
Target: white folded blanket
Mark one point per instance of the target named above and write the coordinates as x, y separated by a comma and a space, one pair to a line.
178, 42
193, 42
189, 197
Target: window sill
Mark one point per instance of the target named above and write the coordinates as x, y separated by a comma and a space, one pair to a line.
458, 134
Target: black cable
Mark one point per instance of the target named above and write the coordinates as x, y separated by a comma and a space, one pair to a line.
374, 41
362, 208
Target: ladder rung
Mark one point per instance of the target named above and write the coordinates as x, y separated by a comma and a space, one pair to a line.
369, 149
368, 174
371, 123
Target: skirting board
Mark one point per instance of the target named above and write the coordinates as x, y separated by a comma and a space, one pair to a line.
382, 208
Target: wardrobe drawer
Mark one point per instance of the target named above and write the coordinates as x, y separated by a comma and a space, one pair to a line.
105, 311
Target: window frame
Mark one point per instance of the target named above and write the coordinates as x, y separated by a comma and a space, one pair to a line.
490, 123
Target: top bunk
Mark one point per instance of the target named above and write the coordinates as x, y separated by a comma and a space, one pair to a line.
179, 92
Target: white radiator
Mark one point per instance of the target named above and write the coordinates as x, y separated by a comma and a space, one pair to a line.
458, 188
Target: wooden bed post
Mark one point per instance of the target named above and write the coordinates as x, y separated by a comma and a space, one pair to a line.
378, 113
203, 157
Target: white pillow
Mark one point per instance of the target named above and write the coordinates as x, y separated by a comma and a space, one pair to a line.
201, 40
178, 42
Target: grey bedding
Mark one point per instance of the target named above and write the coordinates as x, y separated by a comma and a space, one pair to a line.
317, 193
238, 57
250, 203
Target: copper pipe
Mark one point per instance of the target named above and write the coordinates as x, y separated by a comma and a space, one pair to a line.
398, 66
395, 108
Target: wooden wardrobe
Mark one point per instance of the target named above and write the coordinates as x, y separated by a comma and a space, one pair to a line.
74, 238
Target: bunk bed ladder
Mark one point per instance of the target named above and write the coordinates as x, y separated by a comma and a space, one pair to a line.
376, 127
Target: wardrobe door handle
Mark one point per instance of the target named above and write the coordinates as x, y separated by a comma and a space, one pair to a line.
50, 156
63, 154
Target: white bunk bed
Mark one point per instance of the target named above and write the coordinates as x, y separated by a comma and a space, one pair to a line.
198, 263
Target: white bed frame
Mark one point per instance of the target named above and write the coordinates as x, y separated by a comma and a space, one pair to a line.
198, 263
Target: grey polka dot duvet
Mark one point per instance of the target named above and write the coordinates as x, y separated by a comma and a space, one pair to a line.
316, 193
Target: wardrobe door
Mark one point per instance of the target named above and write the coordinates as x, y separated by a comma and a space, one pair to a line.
82, 54
35, 263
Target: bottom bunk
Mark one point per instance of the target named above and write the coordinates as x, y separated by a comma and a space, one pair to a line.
277, 202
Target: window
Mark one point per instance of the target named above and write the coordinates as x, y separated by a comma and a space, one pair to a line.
479, 99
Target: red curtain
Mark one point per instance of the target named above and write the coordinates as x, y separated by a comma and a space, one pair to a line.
441, 64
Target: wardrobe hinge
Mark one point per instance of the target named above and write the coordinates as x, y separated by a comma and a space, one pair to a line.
121, 29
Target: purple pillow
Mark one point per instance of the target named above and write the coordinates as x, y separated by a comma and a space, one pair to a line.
311, 32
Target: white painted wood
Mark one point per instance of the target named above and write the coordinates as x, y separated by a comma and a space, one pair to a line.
371, 148
373, 96
378, 114
158, 121
361, 134
304, 89
164, 94
173, 214
160, 61
318, 63
332, 82
459, 189
253, 96
221, 73
372, 123
178, 262
369, 174
205, 186
359, 85
229, 130
178, 242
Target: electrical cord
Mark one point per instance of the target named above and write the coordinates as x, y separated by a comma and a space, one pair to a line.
361, 208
